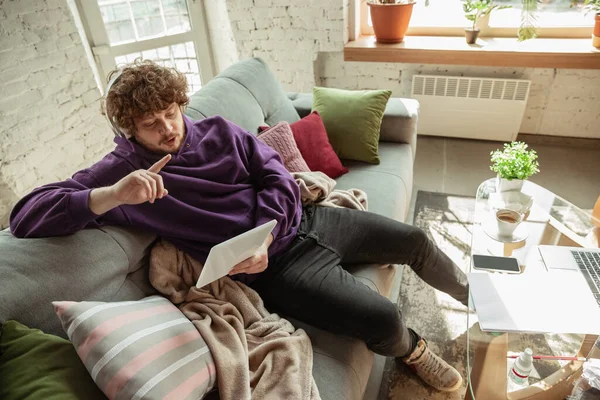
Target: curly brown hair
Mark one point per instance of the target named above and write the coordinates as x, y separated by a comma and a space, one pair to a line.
143, 87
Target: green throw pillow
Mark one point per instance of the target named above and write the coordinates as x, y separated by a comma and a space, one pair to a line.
36, 365
352, 119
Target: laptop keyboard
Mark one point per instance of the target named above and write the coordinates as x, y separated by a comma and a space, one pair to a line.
589, 264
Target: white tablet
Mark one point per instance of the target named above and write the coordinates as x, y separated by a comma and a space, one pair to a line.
224, 256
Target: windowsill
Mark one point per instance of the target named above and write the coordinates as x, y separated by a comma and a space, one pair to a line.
498, 52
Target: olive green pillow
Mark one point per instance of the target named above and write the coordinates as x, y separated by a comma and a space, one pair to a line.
36, 365
352, 119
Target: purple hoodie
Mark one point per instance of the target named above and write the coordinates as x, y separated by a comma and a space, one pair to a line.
222, 182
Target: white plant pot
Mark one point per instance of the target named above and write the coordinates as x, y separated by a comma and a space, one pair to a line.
506, 185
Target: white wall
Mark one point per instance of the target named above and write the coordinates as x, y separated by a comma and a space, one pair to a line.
221, 34
288, 35
49, 102
302, 41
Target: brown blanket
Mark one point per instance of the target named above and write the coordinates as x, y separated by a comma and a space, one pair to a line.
317, 188
258, 355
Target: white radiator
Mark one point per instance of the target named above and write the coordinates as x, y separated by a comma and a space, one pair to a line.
476, 108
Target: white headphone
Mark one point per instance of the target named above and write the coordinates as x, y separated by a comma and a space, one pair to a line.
110, 118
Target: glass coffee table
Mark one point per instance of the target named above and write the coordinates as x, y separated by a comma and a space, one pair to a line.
551, 221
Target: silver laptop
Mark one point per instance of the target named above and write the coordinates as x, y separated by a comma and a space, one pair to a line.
586, 261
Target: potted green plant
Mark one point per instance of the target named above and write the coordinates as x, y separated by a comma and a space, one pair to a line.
390, 19
474, 11
513, 165
594, 6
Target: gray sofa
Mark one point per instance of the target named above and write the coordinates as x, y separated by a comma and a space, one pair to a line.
110, 264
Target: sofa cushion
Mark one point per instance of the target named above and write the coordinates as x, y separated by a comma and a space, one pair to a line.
388, 185
353, 120
378, 277
336, 356
399, 122
247, 93
238, 106
92, 264
146, 349
35, 365
281, 139
341, 364
311, 137
302, 102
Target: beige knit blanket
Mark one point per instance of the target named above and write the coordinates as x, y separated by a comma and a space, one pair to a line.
317, 188
258, 355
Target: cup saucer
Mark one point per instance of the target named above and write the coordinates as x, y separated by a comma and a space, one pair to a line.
520, 234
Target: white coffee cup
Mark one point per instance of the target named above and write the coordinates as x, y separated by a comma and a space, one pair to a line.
508, 220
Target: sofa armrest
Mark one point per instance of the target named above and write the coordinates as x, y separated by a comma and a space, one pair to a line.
399, 119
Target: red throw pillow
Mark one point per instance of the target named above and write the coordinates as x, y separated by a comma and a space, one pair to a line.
312, 141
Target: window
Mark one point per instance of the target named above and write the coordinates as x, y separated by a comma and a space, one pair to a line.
170, 32
555, 18
181, 56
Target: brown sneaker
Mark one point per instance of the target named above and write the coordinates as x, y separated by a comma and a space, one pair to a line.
432, 369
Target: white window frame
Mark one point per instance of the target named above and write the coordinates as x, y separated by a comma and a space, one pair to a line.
105, 53
486, 30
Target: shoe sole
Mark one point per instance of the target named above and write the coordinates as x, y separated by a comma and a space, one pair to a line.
453, 388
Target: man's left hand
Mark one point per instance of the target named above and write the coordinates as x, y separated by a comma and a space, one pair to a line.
257, 263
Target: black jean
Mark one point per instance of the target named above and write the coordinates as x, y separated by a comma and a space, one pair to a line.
308, 281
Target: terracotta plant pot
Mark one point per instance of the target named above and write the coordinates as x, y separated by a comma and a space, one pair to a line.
390, 21
596, 35
471, 35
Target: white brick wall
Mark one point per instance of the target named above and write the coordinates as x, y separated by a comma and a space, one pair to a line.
302, 42
49, 102
287, 34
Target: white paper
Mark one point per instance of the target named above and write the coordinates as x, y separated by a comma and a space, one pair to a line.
224, 256
551, 302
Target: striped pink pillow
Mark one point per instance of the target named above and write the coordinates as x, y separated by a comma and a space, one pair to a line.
139, 349
281, 139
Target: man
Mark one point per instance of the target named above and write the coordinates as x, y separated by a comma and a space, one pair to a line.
198, 183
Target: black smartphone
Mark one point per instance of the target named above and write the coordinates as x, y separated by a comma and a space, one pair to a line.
507, 265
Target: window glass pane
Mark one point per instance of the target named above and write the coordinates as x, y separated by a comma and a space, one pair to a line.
446, 13
552, 13
163, 53
120, 60
150, 54
148, 19
449, 13
133, 20
442, 13
182, 56
118, 24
